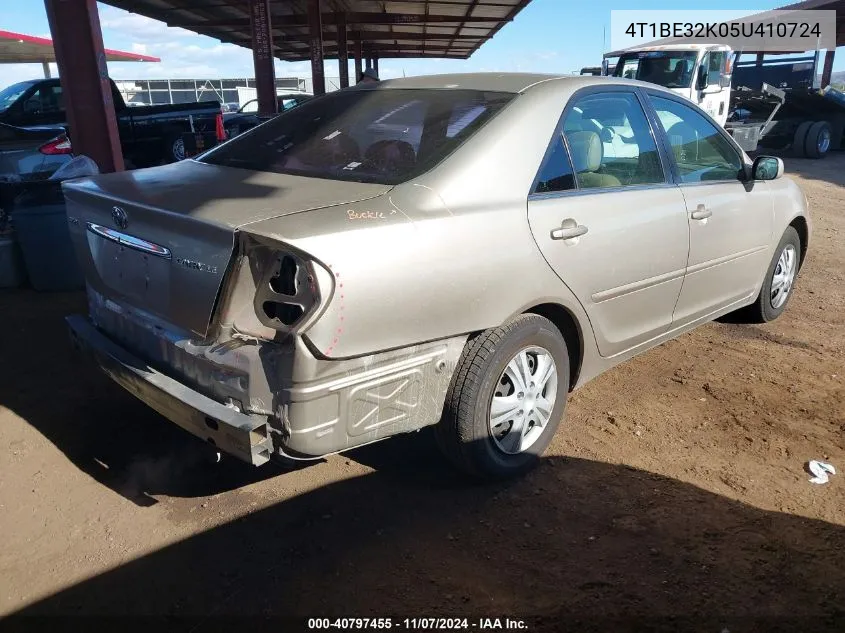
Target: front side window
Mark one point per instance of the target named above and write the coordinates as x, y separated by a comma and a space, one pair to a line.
610, 142
671, 69
380, 136
701, 152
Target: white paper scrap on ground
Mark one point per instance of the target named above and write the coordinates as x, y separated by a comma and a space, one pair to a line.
820, 470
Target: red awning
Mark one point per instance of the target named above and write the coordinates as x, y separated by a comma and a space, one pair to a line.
17, 48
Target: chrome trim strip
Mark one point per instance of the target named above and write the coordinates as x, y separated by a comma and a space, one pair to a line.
619, 291
130, 241
723, 260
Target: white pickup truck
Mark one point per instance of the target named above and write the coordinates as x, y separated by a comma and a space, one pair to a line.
773, 103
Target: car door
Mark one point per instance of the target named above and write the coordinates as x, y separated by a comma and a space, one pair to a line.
608, 220
730, 221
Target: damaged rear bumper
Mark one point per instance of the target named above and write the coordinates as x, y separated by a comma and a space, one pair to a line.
241, 435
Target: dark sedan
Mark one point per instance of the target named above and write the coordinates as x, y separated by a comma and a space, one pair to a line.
27, 155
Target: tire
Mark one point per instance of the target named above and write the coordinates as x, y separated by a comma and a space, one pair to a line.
800, 138
174, 149
817, 143
465, 433
765, 308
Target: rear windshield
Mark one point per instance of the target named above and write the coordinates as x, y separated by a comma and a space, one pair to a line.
380, 136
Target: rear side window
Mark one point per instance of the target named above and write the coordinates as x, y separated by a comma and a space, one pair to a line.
382, 136
610, 141
556, 171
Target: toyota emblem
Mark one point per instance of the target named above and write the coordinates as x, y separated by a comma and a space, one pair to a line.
120, 218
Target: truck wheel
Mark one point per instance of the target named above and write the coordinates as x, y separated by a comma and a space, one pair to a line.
174, 149
817, 143
800, 138
506, 399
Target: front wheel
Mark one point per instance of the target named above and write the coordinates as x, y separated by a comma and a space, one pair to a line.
506, 399
779, 281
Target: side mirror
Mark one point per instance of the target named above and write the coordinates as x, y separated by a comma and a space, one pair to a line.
767, 168
701, 78
725, 81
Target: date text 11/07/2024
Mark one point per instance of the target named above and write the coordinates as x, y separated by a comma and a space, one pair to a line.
417, 624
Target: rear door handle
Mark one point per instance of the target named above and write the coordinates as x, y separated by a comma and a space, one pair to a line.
701, 213
569, 229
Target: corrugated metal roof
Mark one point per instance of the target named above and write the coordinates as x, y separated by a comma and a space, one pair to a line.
387, 28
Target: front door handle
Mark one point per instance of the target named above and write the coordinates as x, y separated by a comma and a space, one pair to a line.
701, 213
569, 229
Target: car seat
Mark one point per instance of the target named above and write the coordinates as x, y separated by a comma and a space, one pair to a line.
587, 153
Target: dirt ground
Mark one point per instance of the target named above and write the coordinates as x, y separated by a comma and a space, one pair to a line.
673, 496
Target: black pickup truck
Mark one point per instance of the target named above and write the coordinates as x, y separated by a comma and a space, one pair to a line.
149, 135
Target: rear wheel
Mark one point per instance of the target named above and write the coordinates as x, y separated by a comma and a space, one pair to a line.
506, 399
779, 281
800, 138
817, 143
174, 149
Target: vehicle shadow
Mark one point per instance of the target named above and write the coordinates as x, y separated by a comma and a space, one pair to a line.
577, 545
103, 430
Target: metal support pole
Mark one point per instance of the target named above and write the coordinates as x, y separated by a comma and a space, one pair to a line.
359, 59
342, 51
827, 71
78, 42
262, 56
315, 31
46, 67
375, 64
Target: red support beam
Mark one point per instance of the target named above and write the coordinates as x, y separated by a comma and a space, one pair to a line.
262, 56
827, 72
315, 28
81, 58
343, 54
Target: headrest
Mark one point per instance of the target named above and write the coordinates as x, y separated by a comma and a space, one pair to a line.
391, 156
587, 150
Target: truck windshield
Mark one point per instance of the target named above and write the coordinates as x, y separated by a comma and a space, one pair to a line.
671, 69
384, 136
11, 94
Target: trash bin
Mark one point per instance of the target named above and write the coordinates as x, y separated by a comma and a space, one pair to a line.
12, 274
40, 222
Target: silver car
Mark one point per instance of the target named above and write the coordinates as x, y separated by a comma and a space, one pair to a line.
457, 251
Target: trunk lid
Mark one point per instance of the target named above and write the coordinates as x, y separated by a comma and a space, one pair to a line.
161, 239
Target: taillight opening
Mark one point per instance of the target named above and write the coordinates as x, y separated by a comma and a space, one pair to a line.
288, 292
60, 145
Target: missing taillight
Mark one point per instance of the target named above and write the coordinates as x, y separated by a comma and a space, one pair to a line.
286, 313
284, 281
286, 293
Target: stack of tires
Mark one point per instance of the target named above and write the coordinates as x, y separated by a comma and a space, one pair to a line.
812, 139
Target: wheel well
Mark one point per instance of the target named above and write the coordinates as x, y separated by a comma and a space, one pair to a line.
571, 332
800, 225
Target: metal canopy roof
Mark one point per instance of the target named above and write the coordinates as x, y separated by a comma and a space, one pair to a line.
17, 48
387, 28
830, 5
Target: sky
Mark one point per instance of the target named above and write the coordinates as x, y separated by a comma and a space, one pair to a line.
553, 36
